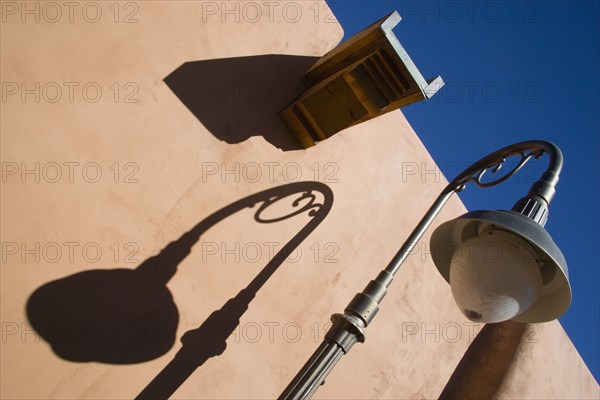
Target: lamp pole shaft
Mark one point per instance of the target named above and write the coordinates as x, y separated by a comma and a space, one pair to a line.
347, 328
314, 372
419, 231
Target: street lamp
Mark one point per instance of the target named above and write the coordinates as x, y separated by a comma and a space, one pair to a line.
526, 280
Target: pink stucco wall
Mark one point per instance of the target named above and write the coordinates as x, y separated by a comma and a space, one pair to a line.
84, 96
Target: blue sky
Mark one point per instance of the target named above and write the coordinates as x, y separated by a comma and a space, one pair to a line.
514, 71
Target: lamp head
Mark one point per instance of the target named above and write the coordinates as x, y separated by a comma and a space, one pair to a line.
502, 265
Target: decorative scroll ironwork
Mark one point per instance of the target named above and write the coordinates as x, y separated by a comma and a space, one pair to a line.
494, 163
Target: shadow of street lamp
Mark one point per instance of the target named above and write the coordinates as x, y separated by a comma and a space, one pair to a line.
526, 282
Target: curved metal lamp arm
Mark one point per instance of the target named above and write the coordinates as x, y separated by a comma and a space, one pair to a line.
348, 328
526, 150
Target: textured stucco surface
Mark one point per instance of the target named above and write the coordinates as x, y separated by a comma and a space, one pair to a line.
412, 347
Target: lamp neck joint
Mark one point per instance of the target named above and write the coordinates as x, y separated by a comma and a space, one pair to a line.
533, 207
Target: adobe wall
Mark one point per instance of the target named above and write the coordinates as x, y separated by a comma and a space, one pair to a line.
104, 166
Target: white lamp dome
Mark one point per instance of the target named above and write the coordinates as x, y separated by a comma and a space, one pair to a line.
493, 277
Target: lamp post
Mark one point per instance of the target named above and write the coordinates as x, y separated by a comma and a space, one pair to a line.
529, 283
